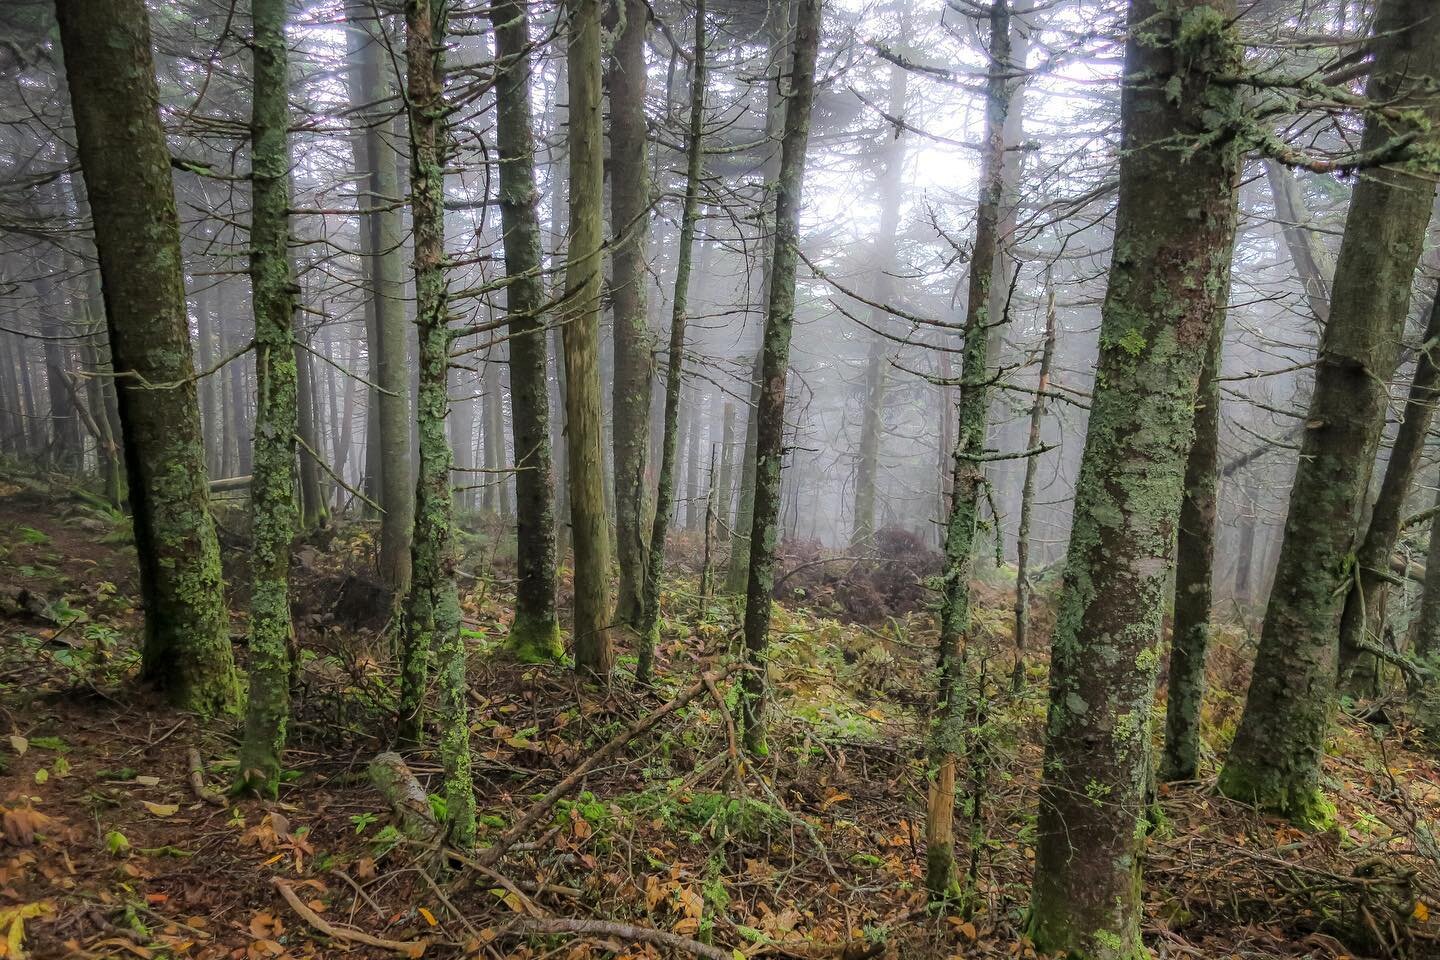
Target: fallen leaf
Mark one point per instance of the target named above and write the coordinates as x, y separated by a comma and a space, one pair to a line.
429, 917
19, 744
162, 809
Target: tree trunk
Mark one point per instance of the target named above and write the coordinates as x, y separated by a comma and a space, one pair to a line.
535, 632
1425, 632
725, 493
694, 509
594, 654
867, 468
774, 365
314, 510
1362, 623
1174, 237
126, 162
675, 361
948, 735
1194, 571
272, 488
737, 576
431, 620
629, 225
1274, 761
1027, 491
389, 447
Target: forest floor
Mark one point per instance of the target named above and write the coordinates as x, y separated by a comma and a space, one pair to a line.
117, 843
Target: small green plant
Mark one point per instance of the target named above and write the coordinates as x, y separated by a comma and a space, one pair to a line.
361, 821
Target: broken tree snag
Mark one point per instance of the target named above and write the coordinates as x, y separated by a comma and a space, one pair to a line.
404, 794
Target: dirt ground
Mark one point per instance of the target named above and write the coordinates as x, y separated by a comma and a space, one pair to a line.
119, 841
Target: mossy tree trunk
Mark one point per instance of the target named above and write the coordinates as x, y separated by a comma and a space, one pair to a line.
431, 619
775, 363
962, 524
594, 651
1174, 237
634, 345
535, 632
1194, 570
126, 162
1274, 760
649, 625
273, 508
1363, 621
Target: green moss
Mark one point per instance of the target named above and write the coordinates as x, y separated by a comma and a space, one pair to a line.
535, 639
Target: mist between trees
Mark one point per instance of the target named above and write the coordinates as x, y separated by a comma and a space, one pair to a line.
1125, 310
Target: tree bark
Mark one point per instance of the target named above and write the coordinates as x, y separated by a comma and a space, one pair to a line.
1194, 570
1027, 491
273, 488
126, 162
594, 653
1174, 238
390, 438
1274, 761
774, 366
1362, 623
431, 621
648, 627
634, 346
535, 632
948, 737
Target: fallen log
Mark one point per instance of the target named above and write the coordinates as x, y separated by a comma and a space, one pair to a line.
392, 777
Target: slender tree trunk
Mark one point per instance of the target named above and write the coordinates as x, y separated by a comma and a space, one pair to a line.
65, 451
649, 626
314, 510
209, 386
535, 632
725, 493
1166, 293
1194, 572
431, 622
1274, 761
775, 362
1244, 562
629, 224
594, 654
1425, 632
737, 577
1027, 491
389, 446
461, 425
862, 537
777, 32
1300, 241
962, 525
272, 488
694, 509
1362, 623
126, 162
